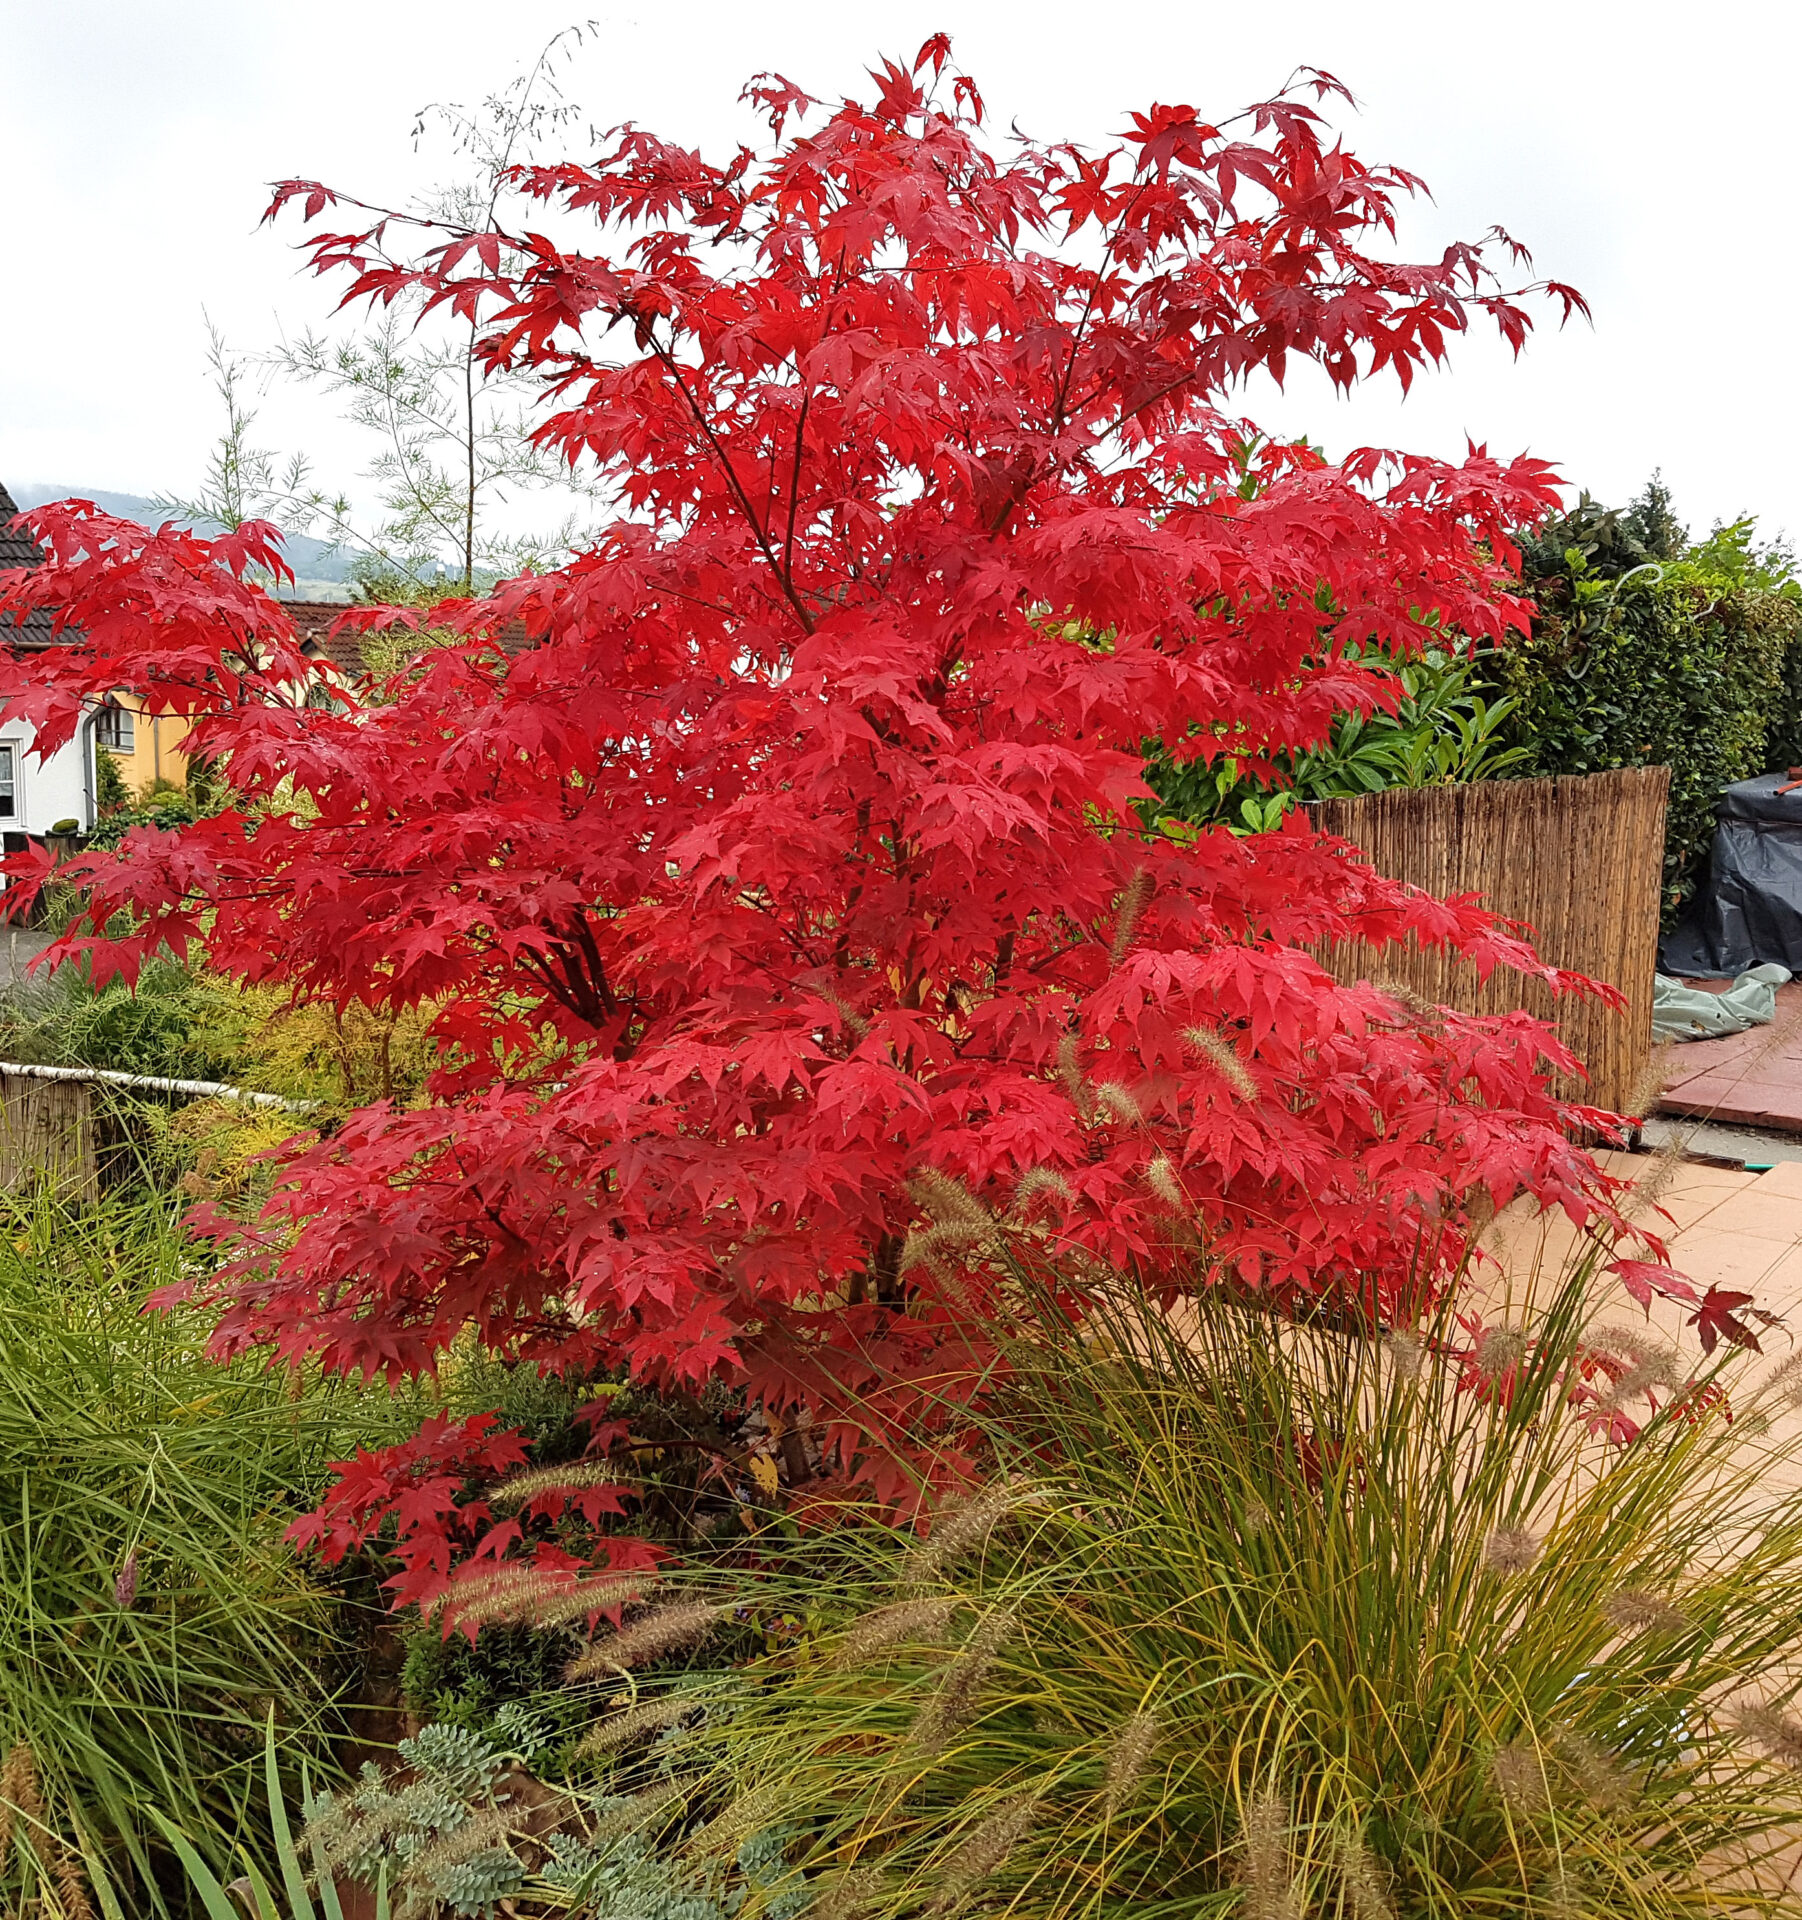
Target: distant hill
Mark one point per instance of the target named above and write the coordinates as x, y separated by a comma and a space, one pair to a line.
321, 572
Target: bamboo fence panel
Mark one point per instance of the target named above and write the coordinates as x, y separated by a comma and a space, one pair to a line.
47, 1133
1579, 860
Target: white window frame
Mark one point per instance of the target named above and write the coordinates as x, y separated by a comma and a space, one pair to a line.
12, 767
121, 723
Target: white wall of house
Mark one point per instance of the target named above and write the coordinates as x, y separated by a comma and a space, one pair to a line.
44, 791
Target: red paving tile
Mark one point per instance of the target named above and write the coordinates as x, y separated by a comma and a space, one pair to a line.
1751, 1079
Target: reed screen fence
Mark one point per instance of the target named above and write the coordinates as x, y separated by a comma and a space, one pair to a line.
1578, 859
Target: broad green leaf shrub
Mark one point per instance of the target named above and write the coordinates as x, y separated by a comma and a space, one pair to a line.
1447, 728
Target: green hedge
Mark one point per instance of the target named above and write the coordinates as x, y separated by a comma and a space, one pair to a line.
1649, 649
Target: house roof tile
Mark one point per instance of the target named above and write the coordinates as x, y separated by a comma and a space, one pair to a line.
313, 623
19, 549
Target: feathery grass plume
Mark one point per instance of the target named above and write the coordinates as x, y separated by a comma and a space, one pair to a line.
1518, 1774
1779, 1733
1511, 1550
1118, 1103
1499, 1351
1648, 1083
575, 1603
965, 1528
620, 1729
744, 1815
20, 1798
1073, 1080
487, 1829
949, 1201
1037, 1180
329, 1834
572, 1477
1225, 1057
1160, 1177
986, 1851
125, 1583
916, 1620
958, 1695
665, 1630
503, 1577
1412, 1002
1264, 1877
1407, 1352
1634, 1610
1128, 1755
71, 1887
1784, 1382
1257, 1518
849, 1895
959, 1220
937, 1246
1597, 1774
496, 1593
1366, 1880
634, 1812
343, 1828
541, 1598
1655, 1364
854, 1021
1478, 1209
1562, 1895
1133, 902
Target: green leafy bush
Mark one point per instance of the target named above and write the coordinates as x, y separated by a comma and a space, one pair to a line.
110, 791
1447, 729
175, 1022
1648, 650
1261, 1619
150, 1614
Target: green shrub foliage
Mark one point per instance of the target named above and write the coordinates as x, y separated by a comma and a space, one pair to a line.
1650, 649
1647, 649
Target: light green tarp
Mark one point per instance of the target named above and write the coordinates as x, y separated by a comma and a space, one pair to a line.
1683, 1012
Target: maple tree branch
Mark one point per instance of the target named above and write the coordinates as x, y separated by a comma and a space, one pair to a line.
794, 483
674, 369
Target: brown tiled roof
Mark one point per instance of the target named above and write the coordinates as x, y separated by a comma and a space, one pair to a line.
18, 549
313, 622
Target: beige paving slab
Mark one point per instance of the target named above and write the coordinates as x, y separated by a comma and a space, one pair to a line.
1770, 1213
1785, 1177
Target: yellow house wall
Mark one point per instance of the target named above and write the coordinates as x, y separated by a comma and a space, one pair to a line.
156, 754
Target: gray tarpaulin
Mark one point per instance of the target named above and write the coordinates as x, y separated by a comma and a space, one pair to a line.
1689, 1013
1748, 910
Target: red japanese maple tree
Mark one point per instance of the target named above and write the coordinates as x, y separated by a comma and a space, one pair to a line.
788, 899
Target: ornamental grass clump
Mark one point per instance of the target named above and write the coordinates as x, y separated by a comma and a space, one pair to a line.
150, 1611
1266, 1624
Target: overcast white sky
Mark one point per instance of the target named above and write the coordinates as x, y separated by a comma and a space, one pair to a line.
1646, 152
